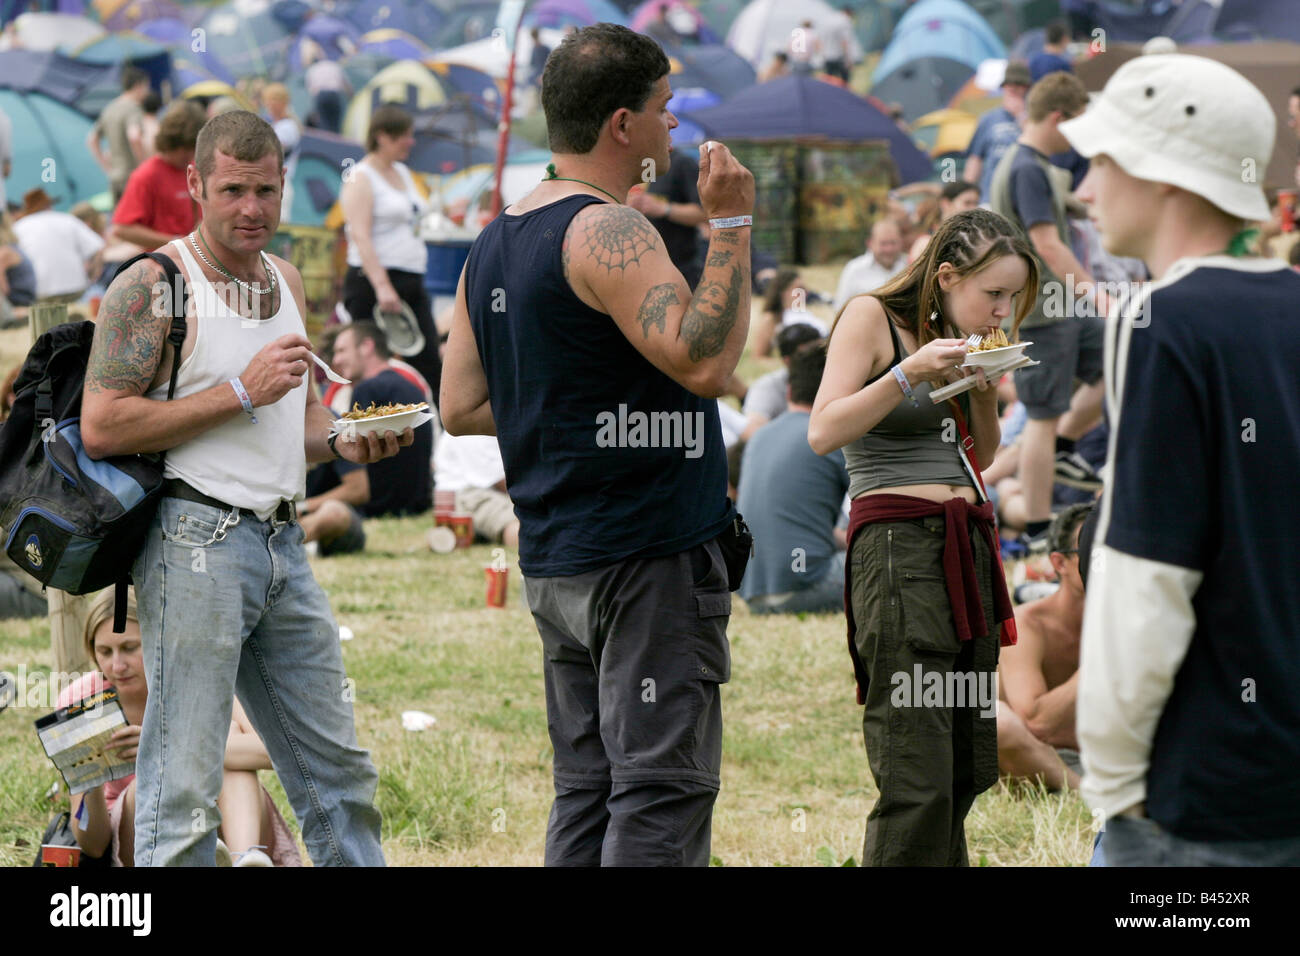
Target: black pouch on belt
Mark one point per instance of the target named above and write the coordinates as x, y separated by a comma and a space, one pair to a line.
737, 545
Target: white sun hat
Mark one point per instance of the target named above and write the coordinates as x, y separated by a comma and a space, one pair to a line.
1185, 120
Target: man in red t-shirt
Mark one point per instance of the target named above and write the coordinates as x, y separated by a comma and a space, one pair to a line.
156, 206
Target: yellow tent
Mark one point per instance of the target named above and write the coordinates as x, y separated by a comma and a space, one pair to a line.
950, 129
406, 83
214, 88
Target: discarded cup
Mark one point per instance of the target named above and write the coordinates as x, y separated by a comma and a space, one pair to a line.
463, 527
417, 720
497, 582
442, 539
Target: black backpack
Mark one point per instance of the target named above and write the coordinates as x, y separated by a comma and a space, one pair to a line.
74, 523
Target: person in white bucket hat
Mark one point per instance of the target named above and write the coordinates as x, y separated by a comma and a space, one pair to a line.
1191, 639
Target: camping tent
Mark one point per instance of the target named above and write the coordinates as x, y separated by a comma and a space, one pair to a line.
121, 48
1270, 66
710, 67
394, 45
795, 107
1185, 22
558, 14
51, 154
52, 31
75, 83
322, 37
688, 99
766, 26
243, 38
1012, 18
936, 48
131, 14
1259, 20
408, 84
418, 18
684, 18
318, 174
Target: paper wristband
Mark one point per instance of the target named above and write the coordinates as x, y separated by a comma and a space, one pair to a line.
244, 400
904, 384
732, 222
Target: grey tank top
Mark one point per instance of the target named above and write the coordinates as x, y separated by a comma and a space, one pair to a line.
908, 446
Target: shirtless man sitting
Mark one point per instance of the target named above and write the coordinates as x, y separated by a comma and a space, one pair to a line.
1038, 677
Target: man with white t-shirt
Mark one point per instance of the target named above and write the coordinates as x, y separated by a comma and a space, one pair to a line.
63, 250
882, 261
471, 467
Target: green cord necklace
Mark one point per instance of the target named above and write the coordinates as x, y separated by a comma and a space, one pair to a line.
550, 175
1240, 244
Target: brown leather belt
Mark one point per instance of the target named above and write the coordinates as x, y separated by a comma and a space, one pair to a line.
178, 488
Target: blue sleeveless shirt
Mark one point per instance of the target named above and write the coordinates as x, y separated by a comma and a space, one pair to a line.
606, 457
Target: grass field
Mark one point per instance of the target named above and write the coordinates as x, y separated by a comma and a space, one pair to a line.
475, 789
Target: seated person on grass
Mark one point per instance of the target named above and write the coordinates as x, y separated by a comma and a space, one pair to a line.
340, 493
765, 399
1038, 677
103, 818
791, 498
470, 466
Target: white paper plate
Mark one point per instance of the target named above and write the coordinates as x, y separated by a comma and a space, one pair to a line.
992, 358
349, 428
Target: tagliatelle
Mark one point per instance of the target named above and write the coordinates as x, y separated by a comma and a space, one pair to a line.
998, 340
378, 411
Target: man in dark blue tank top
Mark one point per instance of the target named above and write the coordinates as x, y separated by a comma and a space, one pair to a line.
578, 344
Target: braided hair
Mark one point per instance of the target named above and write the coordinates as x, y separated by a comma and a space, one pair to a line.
969, 241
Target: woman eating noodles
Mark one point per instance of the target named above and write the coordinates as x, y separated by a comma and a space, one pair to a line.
924, 590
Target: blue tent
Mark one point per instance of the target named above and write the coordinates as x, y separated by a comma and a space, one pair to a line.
713, 67
240, 42
69, 81
1259, 20
1188, 21
937, 46
799, 106
335, 38
168, 31
420, 19
318, 174
688, 99
136, 49
51, 152
558, 14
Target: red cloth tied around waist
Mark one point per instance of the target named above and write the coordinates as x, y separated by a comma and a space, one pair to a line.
958, 564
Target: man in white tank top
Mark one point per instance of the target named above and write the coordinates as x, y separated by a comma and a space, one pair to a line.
227, 601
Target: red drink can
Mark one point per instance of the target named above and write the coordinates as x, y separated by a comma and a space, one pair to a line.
496, 585
1286, 204
60, 855
444, 503
463, 527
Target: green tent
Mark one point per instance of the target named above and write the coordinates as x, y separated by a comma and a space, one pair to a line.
50, 152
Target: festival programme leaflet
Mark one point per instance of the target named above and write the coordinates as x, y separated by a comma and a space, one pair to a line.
74, 738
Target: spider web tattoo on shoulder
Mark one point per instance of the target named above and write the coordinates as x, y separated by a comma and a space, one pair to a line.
615, 237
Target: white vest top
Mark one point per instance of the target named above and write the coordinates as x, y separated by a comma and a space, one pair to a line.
394, 216
245, 465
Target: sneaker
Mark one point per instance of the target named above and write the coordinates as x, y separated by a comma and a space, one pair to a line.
253, 856
223, 853
1074, 472
1035, 590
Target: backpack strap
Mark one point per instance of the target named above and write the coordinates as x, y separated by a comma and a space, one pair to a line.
177, 293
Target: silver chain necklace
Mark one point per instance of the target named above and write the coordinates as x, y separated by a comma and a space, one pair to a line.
251, 287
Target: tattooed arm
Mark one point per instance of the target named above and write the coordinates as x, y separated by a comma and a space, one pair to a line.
615, 261
130, 346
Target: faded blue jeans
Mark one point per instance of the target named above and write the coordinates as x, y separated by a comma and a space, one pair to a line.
228, 604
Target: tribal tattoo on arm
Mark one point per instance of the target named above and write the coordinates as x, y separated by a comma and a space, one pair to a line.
129, 334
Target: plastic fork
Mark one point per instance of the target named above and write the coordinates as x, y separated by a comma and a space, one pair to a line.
974, 341
330, 374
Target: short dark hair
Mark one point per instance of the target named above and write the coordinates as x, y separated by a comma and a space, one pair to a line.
776, 287
151, 103
1057, 32
592, 74
133, 76
1060, 535
806, 367
239, 134
367, 331
954, 189
180, 126
794, 335
1087, 536
389, 119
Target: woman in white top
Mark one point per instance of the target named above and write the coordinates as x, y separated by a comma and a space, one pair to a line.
386, 257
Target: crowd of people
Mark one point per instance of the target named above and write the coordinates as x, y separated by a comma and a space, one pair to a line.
1157, 528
